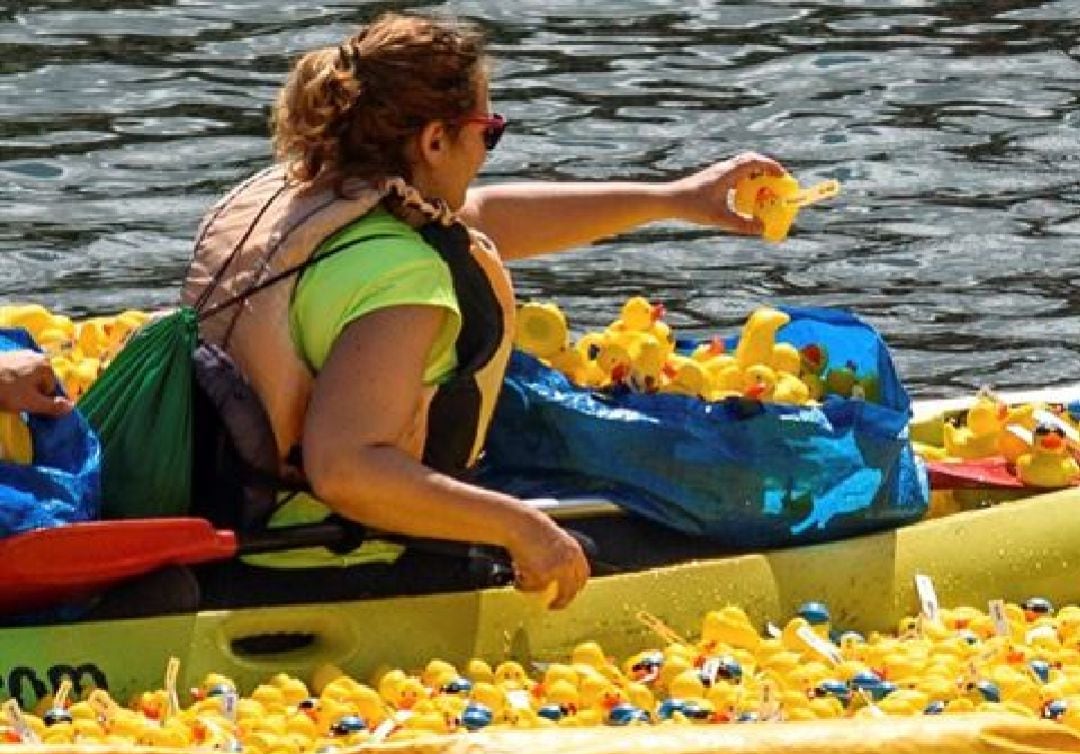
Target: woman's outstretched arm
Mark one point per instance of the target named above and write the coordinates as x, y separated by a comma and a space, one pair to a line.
527, 219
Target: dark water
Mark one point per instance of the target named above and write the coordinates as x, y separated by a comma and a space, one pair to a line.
953, 126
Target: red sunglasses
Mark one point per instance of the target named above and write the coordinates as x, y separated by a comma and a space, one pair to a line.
494, 126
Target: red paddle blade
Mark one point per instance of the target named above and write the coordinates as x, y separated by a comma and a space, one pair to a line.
49, 566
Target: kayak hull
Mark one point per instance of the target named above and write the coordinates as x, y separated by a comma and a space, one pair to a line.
1013, 551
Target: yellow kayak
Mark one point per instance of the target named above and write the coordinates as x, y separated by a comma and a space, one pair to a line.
1024, 548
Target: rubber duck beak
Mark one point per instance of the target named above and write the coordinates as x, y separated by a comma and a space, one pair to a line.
1051, 441
755, 392
657, 312
765, 195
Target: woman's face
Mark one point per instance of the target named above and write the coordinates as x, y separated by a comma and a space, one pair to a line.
446, 162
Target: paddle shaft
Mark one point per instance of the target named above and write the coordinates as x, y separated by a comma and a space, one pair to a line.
49, 566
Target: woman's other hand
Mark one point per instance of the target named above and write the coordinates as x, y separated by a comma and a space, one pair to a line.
543, 554
27, 383
703, 197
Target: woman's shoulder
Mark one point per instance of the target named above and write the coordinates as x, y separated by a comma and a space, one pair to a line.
380, 232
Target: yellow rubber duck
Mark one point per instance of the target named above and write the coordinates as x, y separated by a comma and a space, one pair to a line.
16, 442
687, 685
791, 638
758, 337
776, 200
709, 350
827, 708
511, 676
477, 670
407, 693
673, 665
725, 377
760, 383
790, 389
387, 682
689, 378
1012, 442
563, 693
541, 329
786, 358
906, 702
437, 673
491, 696
34, 318
1049, 464
640, 695
979, 439
638, 315
614, 363
560, 671
728, 626
588, 347
647, 365
575, 366
594, 698
726, 699
592, 654
292, 689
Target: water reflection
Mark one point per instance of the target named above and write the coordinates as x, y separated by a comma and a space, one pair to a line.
953, 126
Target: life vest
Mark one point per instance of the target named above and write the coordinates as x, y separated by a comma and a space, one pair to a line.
268, 228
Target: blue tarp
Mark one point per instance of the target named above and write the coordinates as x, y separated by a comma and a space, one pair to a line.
63, 484
751, 475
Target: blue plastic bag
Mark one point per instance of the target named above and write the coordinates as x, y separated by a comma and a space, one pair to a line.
63, 484
750, 475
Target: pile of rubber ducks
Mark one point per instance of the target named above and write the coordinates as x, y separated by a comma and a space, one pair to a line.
637, 351
1015, 658
1034, 439
79, 350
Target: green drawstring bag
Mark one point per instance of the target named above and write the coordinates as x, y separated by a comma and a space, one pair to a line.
141, 409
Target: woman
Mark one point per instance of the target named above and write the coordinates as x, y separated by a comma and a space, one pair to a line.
382, 360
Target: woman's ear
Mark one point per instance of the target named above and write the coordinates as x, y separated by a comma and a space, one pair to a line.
431, 143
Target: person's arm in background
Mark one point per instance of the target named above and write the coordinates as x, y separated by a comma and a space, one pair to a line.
527, 219
364, 401
27, 383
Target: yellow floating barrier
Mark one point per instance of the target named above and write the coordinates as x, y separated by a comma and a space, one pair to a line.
960, 734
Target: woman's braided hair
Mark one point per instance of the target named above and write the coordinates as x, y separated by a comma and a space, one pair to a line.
351, 109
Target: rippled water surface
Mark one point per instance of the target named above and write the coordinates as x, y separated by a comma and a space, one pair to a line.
953, 126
